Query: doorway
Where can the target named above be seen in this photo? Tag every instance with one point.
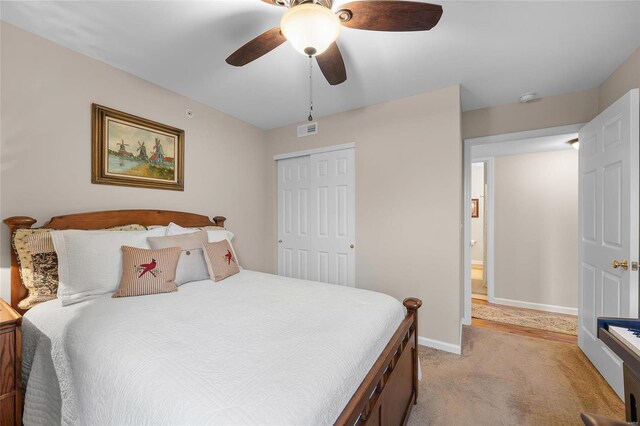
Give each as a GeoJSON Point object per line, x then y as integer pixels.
{"type": "Point", "coordinates": [478, 240]}
{"type": "Point", "coordinates": [488, 151]}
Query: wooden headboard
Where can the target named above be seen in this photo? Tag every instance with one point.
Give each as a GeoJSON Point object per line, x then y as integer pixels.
{"type": "Point", "coordinates": [98, 220]}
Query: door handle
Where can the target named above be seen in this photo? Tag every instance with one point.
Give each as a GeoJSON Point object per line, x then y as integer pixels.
{"type": "Point", "coordinates": [620, 264]}
{"type": "Point", "coordinates": [352, 246]}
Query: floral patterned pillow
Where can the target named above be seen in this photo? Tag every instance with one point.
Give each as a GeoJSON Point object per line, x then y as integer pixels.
{"type": "Point", "coordinates": [38, 263]}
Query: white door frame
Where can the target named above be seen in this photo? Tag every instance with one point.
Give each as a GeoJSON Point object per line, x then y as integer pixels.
{"type": "Point", "coordinates": [314, 151]}
{"type": "Point", "coordinates": [467, 161]}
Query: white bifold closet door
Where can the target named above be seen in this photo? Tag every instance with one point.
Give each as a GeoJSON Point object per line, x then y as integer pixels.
{"type": "Point", "coordinates": [316, 217]}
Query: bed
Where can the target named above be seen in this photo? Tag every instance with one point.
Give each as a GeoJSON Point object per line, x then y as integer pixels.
{"type": "Point", "coordinates": [253, 349]}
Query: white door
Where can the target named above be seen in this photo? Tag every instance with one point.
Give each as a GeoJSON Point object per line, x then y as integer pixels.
{"type": "Point", "coordinates": [609, 227]}
{"type": "Point", "coordinates": [293, 217]}
{"type": "Point", "coordinates": [332, 207]}
{"type": "Point", "coordinates": [316, 217]}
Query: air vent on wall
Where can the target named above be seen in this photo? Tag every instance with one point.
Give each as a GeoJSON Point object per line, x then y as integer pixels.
{"type": "Point", "coordinates": [307, 129]}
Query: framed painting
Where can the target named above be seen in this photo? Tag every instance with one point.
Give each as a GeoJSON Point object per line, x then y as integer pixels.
{"type": "Point", "coordinates": [133, 151]}
{"type": "Point", "coordinates": [475, 205]}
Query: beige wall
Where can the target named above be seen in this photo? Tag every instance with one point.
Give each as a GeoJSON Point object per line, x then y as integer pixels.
{"type": "Point", "coordinates": [552, 111]}
{"type": "Point", "coordinates": [47, 92]}
{"type": "Point", "coordinates": [408, 199]}
{"type": "Point", "coordinates": [623, 79]}
{"type": "Point", "coordinates": [570, 108]}
{"type": "Point", "coordinates": [536, 228]}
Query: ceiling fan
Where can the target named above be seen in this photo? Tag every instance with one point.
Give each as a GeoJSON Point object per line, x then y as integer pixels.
{"type": "Point", "coordinates": [313, 27]}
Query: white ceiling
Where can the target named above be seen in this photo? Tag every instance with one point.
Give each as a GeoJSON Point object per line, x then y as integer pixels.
{"type": "Point", "coordinates": [527, 142]}
{"type": "Point", "coordinates": [523, 146]}
{"type": "Point", "coordinates": [495, 50]}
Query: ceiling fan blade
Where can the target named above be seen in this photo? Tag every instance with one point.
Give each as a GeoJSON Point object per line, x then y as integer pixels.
{"type": "Point", "coordinates": [275, 2]}
{"type": "Point", "coordinates": [257, 47]}
{"type": "Point", "coordinates": [392, 15]}
{"type": "Point", "coordinates": [332, 65]}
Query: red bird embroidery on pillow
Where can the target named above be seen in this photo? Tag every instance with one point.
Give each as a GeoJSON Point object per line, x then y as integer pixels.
{"type": "Point", "coordinates": [148, 267]}
{"type": "Point", "coordinates": [229, 257]}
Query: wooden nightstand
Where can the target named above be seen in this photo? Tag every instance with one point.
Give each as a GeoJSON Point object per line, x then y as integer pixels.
{"type": "Point", "coordinates": [10, 366]}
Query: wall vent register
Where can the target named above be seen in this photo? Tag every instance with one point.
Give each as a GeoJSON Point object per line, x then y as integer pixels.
{"type": "Point", "coordinates": [307, 129]}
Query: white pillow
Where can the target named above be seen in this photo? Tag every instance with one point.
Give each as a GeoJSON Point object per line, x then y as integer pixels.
{"type": "Point", "coordinates": [90, 262]}
{"type": "Point", "coordinates": [192, 265]}
{"type": "Point", "coordinates": [173, 229]}
{"type": "Point", "coordinates": [214, 235]}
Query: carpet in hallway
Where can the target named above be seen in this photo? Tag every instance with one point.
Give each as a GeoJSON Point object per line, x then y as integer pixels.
{"type": "Point", "coordinates": [526, 318]}
{"type": "Point", "coordinates": [503, 379]}
{"type": "Point", "coordinates": [477, 282]}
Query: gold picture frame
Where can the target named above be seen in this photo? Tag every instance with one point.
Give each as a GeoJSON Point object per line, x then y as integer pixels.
{"type": "Point", "coordinates": [475, 207]}
{"type": "Point", "coordinates": [128, 150]}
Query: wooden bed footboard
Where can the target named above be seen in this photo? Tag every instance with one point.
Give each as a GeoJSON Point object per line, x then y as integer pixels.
{"type": "Point", "coordinates": [387, 394]}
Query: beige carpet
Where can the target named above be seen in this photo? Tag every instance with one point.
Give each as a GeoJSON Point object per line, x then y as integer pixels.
{"type": "Point", "coordinates": [504, 379]}
{"type": "Point", "coordinates": [526, 318]}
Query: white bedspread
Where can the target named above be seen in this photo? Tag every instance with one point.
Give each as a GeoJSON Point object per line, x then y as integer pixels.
{"type": "Point", "coordinates": [252, 349]}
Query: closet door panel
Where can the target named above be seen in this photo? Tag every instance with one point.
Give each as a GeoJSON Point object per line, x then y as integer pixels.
{"type": "Point", "coordinates": [333, 196]}
{"type": "Point", "coordinates": [293, 217]}
{"type": "Point", "coordinates": [316, 217]}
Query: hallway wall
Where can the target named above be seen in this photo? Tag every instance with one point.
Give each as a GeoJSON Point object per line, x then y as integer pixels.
{"type": "Point", "coordinates": [536, 228]}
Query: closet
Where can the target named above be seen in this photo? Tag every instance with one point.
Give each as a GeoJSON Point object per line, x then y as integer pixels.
{"type": "Point", "coordinates": [316, 217]}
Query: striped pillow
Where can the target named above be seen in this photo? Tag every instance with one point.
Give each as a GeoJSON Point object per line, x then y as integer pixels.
{"type": "Point", "coordinates": [148, 271]}
{"type": "Point", "coordinates": [221, 260]}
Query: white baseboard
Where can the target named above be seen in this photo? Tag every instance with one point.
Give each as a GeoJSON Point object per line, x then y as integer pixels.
{"type": "Point", "coordinates": [538, 306]}
{"type": "Point", "coordinates": [437, 344]}
{"type": "Point", "coordinates": [477, 262]}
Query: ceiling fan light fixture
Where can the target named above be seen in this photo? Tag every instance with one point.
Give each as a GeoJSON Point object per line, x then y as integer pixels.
{"type": "Point", "coordinates": [310, 28]}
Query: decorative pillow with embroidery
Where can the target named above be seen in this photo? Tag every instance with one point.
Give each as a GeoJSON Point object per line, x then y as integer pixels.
{"type": "Point", "coordinates": [221, 260]}
{"type": "Point", "coordinates": [148, 271]}
{"type": "Point", "coordinates": [38, 263]}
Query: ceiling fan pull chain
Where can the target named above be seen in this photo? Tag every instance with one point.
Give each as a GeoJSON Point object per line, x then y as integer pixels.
{"type": "Point", "coordinates": [310, 118]}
